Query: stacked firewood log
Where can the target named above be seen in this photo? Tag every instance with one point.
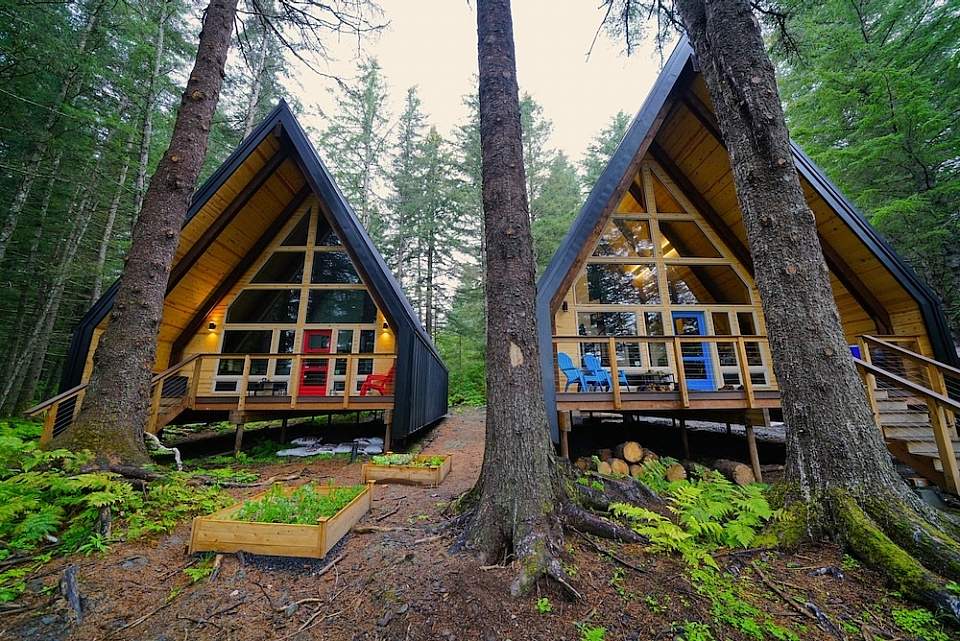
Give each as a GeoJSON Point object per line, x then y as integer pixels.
{"type": "Point", "coordinates": [628, 459]}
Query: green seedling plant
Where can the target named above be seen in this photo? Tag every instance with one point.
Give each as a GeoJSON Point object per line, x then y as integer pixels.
{"type": "Point", "coordinates": [304, 505]}
{"type": "Point", "coordinates": [591, 633]}
{"type": "Point", "coordinates": [409, 460]}
{"type": "Point", "coordinates": [544, 606]}
{"type": "Point", "coordinates": [920, 624]}
{"type": "Point", "coordinates": [695, 631]}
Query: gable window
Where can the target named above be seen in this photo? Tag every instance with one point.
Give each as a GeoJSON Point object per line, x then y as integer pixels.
{"type": "Point", "coordinates": [684, 238]}
{"type": "Point", "coordinates": [265, 306]}
{"type": "Point", "coordinates": [298, 236]}
{"type": "Point", "coordinates": [281, 267]}
{"type": "Point", "coordinates": [326, 237]}
{"type": "Point", "coordinates": [333, 267]}
{"type": "Point", "coordinates": [706, 284]}
{"type": "Point", "coordinates": [245, 341]}
{"type": "Point", "coordinates": [618, 284]}
{"type": "Point", "coordinates": [625, 238]}
{"type": "Point", "coordinates": [340, 306]}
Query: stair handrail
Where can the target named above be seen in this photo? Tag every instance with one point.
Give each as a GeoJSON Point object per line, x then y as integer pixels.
{"type": "Point", "coordinates": [920, 358]}
{"type": "Point", "coordinates": [75, 390]}
{"type": "Point", "coordinates": [904, 383]}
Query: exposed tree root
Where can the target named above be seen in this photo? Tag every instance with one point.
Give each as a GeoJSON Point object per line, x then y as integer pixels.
{"type": "Point", "coordinates": [580, 520]}
{"type": "Point", "coordinates": [890, 535]}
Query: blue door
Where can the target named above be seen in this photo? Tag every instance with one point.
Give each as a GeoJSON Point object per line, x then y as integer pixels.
{"type": "Point", "coordinates": [697, 363]}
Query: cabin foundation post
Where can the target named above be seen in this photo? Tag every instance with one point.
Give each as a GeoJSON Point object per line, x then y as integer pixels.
{"type": "Point", "coordinates": [752, 447]}
{"type": "Point", "coordinates": [684, 438]}
{"type": "Point", "coordinates": [564, 423]}
{"type": "Point", "coordinates": [388, 424]}
{"type": "Point", "coordinates": [729, 428]}
{"type": "Point", "coordinates": [239, 418]}
{"type": "Point", "coordinates": [283, 430]}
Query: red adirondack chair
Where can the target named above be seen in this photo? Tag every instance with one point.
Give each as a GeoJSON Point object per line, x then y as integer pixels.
{"type": "Point", "coordinates": [379, 382]}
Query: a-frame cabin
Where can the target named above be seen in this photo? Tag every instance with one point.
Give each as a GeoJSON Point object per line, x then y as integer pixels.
{"type": "Point", "coordinates": [278, 305]}
{"type": "Point", "coordinates": [656, 271]}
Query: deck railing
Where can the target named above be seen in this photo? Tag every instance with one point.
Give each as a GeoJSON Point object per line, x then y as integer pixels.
{"type": "Point", "coordinates": [285, 377]}
{"type": "Point", "coordinates": [681, 364]}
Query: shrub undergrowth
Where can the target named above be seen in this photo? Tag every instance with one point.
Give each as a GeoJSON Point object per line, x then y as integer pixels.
{"type": "Point", "coordinates": [304, 505]}
{"type": "Point", "coordinates": [410, 460]}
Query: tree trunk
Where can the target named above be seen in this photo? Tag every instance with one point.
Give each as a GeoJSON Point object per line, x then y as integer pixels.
{"type": "Point", "coordinates": [837, 464]}
{"type": "Point", "coordinates": [260, 64]}
{"type": "Point", "coordinates": [517, 506]}
{"type": "Point", "coordinates": [116, 407]}
{"type": "Point", "coordinates": [108, 227]}
{"type": "Point", "coordinates": [146, 131]}
{"type": "Point", "coordinates": [53, 116]}
{"type": "Point", "coordinates": [12, 354]}
{"type": "Point", "coordinates": [431, 248]}
{"type": "Point", "coordinates": [25, 375]}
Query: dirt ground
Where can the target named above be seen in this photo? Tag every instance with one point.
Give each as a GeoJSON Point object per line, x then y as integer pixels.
{"type": "Point", "coordinates": [405, 585]}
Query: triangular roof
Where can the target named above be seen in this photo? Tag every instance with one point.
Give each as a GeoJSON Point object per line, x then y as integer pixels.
{"type": "Point", "coordinates": [281, 130]}
{"type": "Point", "coordinates": [677, 75]}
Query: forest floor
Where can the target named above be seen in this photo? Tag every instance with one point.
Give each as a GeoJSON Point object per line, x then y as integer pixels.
{"type": "Point", "coordinates": [403, 584]}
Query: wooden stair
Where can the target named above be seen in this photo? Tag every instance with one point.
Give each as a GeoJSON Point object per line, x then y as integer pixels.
{"type": "Point", "coordinates": [911, 399]}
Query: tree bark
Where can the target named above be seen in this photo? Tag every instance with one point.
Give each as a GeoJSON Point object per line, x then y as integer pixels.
{"type": "Point", "coordinates": [53, 116]}
{"type": "Point", "coordinates": [518, 489]}
{"type": "Point", "coordinates": [837, 464]}
{"type": "Point", "coordinates": [116, 406]}
{"type": "Point", "coordinates": [146, 131]}
{"type": "Point", "coordinates": [253, 98]}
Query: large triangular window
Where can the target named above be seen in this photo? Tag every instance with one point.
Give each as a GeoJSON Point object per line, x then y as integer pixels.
{"type": "Point", "coordinates": [625, 238]}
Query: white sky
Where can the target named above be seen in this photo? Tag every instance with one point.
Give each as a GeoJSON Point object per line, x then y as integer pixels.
{"type": "Point", "coordinates": [433, 44]}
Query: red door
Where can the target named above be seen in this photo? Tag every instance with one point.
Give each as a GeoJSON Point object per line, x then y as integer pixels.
{"type": "Point", "coordinates": [313, 374]}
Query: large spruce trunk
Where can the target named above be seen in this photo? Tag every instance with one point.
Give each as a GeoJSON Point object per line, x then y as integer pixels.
{"type": "Point", "coordinates": [517, 502]}
{"type": "Point", "coordinates": [116, 406]}
{"type": "Point", "coordinates": [840, 480]}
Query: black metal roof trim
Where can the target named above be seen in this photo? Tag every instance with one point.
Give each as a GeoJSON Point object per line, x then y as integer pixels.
{"type": "Point", "coordinates": [355, 237]}
{"type": "Point", "coordinates": [622, 159]}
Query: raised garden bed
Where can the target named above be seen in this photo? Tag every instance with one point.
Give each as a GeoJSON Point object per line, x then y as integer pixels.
{"type": "Point", "coordinates": [421, 469]}
{"type": "Point", "coordinates": [246, 527]}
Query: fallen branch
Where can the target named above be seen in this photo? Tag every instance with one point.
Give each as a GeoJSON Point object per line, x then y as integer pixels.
{"type": "Point", "coordinates": [329, 566]}
{"type": "Point", "coordinates": [388, 514]}
{"type": "Point", "coordinates": [822, 621]}
{"type": "Point", "coordinates": [376, 529]}
{"type": "Point", "coordinates": [602, 550]}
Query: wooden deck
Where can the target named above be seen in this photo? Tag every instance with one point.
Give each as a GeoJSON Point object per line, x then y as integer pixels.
{"type": "Point", "coordinates": [638, 401]}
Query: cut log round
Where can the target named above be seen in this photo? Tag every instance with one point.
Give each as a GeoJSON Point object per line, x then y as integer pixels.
{"type": "Point", "coordinates": [649, 456]}
{"type": "Point", "coordinates": [583, 464]}
{"type": "Point", "coordinates": [619, 466]}
{"type": "Point", "coordinates": [631, 452]}
{"type": "Point", "coordinates": [636, 470]}
{"type": "Point", "coordinates": [676, 472]}
{"type": "Point", "coordinates": [605, 454]}
{"type": "Point", "coordinates": [603, 468]}
{"type": "Point", "coordinates": [734, 470]}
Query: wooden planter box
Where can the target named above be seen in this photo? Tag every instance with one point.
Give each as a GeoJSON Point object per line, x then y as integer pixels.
{"type": "Point", "coordinates": [217, 532]}
{"type": "Point", "coordinates": [412, 475]}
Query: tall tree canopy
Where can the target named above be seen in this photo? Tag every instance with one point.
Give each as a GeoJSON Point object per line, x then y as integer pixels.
{"type": "Point", "coordinates": [872, 92]}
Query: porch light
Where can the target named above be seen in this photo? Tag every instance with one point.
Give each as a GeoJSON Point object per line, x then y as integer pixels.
{"type": "Point", "coordinates": [212, 326]}
{"type": "Point", "coordinates": [385, 326]}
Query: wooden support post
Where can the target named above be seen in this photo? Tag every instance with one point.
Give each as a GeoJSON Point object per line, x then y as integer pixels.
{"type": "Point", "coordinates": [752, 447]}
{"type": "Point", "coordinates": [347, 385]}
{"type": "Point", "coordinates": [155, 407]}
{"type": "Point", "coordinates": [684, 438]}
{"type": "Point", "coordinates": [294, 384]}
{"type": "Point", "coordinates": [614, 372]}
{"type": "Point", "coordinates": [388, 425]}
{"type": "Point", "coordinates": [564, 422]}
{"type": "Point", "coordinates": [946, 453]}
{"type": "Point", "coordinates": [48, 419]}
{"type": "Point", "coordinates": [244, 382]}
{"type": "Point", "coordinates": [869, 381]}
{"type": "Point", "coordinates": [681, 375]}
{"type": "Point", "coordinates": [745, 371]}
{"type": "Point", "coordinates": [238, 439]}
{"type": "Point", "coordinates": [729, 428]}
{"type": "Point", "coordinates": [283, 430]}
{"type": "Point", "coordinates": [195, 381]}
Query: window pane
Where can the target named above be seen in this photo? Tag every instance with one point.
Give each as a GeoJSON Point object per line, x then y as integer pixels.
{"type": "Point", "coordinates": [287, 341]}
{"type": "Point", "coordinates": [246, 341]}
{"type": "Point", "coordinates": [225, 386]}
{"type": "Point", "coordinates": [684, 238]}
{"type": "Point", "coordinates": [706, 284]}
{"type": "Point", "coordinates": [325, 235]}
{"type": "Point", "coordinates": [654, 323]}
{"type": "Point", "coordinates": [265, 306]}
{"type": "Point", "coordinates": [234, 367]}
{"type": "Point", "coordinates": [658, 355]}
{"type": "Point", "coordinates": [627, 353]}
{"type": "Point", "coordinates": [607, 323]}
{"type": "Point", "coordinates": [721, 324]}
{"type": "Point", "coordinates": [747, 326]}
{"type": "Point", "coordinates": [365, 366]}
{"type": "Point", "coordinates": [344, 341]}
{"type": "Point", "coordinates": [333, 267]}
{"type": "Point", "coordinates": [614, 284]}
{"type": "Point", "coordinates": [298, 236]}
{"type": "Point", "coordinates": [340, 306]}
{"type": "Point", "coordinates": [367, 342]}
{"type": "Point", "coordinates": [625, 238]}
{"type": "Point", "coordinates": [727, 353]}
{"type": "Point", "coordinates": [281, 267]}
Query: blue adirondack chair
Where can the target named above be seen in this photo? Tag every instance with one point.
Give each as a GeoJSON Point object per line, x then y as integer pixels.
{"type": "Point", "coordinates": [592, 367]}
{"type": "Point", "coordinates": [583, 380]}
